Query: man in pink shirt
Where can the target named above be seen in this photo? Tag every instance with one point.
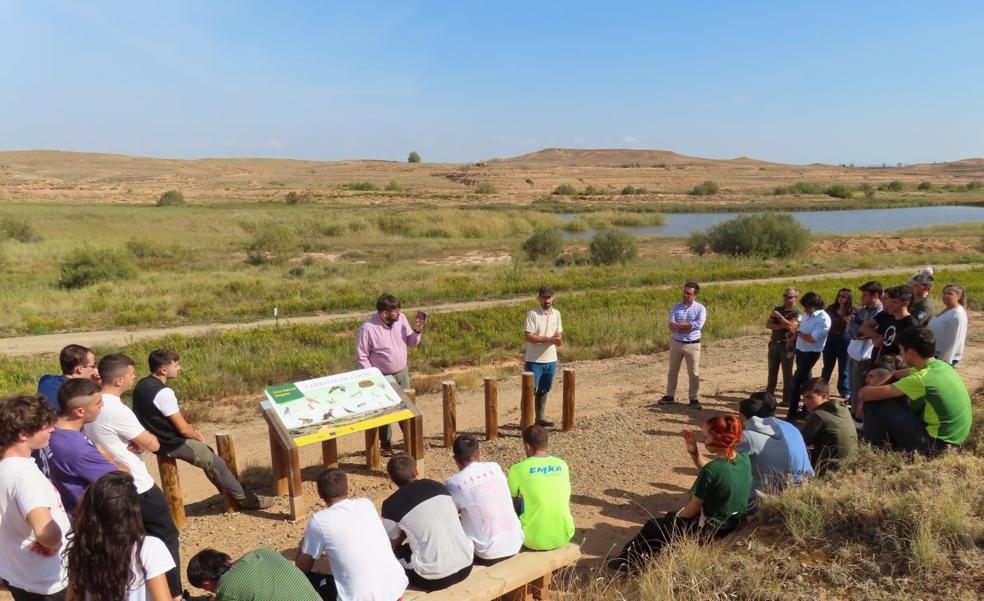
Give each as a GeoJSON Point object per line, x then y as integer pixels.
{"type": "Point", "coordinates": [382, 343]}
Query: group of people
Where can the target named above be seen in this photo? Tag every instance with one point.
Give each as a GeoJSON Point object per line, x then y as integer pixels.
{"type": "Point", "coordinates": [82, 518]}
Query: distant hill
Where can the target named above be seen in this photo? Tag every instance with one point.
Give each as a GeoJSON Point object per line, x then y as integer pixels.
{"type": "Point", "coordinates": [621, 157]}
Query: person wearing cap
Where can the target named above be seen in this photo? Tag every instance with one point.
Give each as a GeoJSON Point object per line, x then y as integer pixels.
{"type": "Point", "coordinates": [860, 347]}
{"type": "Point", "coordinates": [922, 305]}
{"type": "Point", "coordinates": [543, 333]}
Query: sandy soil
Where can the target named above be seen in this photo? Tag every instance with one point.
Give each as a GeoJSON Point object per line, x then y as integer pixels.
{"type": "Point", "coordinates": [626, 456]}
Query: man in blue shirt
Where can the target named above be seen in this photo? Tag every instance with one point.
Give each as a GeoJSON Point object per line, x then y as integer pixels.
{"type": "Point", "coordinates": [685, 323]}
{"type": "Point", "coordinates": [76, 362]}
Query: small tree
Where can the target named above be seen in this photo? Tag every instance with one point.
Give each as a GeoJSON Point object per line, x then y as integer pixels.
{"type": "Point", "coordinates": [272, 244]}
{"type": "Point", "coordinates": [88, 265]}
{"type": "Point", "coordinates": [543, 245]}
{"type": "Point", "coordinates": [868, 190]}
{"type": "Point", "coordinates": [705, 189]}
{"type": "Point", "coordinates": [171, 198]}
{"type": "Point", "coordinates": [612, 246]}
{"type": "Point", "coordinates": [414, 157]}
{"type": "Point", "coordinates": [925, 186]}
{"type": "Point", "coordinates": [761, 235]}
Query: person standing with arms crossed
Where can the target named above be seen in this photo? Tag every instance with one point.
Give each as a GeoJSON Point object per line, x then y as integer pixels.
{"type": "Point", "coordinates": [543, 333]}
{"type": "Point", "coordinates": [382, 343]}
{"type": "Point", "coordinates": [686, 320]}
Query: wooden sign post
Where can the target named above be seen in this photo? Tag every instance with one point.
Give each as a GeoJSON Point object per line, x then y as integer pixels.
{"type": "Point", "coordinates": [569, 381]}
{"type": "Point", "coordinates": [450, 418]}
{"type": "Point", "coordinates": [526, 412]}
{"type": "Point", "coordinates": [491, 409]}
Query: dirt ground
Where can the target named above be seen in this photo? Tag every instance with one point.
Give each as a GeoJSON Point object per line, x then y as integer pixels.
{"type": "Point", "coordinates": [626, 454]}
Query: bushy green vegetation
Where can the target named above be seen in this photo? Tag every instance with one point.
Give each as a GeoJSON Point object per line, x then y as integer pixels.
{"type": "Point", "coordinates": [544, 244]}
{"type": "Point", "coordinates": [706, 188]}
{"type": "Point", "coordinates": [760, 235]}
{"type": "Point", "coordinates": [274, 243]}
{"type": "Point", "coordinates": [87, 266]}
{"type": "Point", "coordinates": [413, 157]}
{"type": "Point", "coordinates": [892, 186]}
{"type": "Point", "coordinates": [631, 190]}
{"type": "Point", "coordinates": [485, 188]}
{"type": "Point", "coordinates": [565, 190]}
{"type": "Point", "coordinates": [171, 198]}
{"type": "Point", "coordinates": [839, 191]}
{"type": "Point", "coordinates": [18, 229]}
{"type": "Point", "coordinates": [394, 186]}
{"type": "Point", "coordinates": [799, 188]}
{"type": "Point", "coordinates": [361, 186]}
{"type": "Point", "coordinates": [612, 246]}
{"type": "Point", "coordinates": [296, 198]}
{"type": "Point", "coordinates": [925, 186]}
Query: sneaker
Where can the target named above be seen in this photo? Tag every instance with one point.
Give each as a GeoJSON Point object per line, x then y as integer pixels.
{"type": "Point", "coordinates": [695, 404]}
{"type": "Point", "coordinates": [666, 400]}
{"type": "Point", "coordinates": [255, 501]}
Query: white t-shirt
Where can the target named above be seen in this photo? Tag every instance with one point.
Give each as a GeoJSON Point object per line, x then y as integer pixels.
{"type": "Point", "coordinates": [23, 488]}
{"type": "Point", "coordinates": [546, 324]}
{"type": "Point", "coordinates": [113, 429]}
{"type": "Point", "coordinates": [351, 533]}
{"type": "Point", "coordinates": [166, 402]}
{"type": "Point", "coordinates": [950, 332]}
{"type": "Point", "coordinates": [155, 559]}
{"type": "Point", "coordinates": [481, 493]}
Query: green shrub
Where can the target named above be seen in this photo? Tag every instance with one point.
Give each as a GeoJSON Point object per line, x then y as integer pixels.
{"type": "Point", "coordinates": [88, 266]}
{"type": "Point", "coordinates": [394, 186]}
{"type": "Point", "coordinates": [800, 188]}
{"type": "Point", "coordinates": [925, 186]}
{"type": "Point", "coordinates": [413, 157]}
{"type": "Point", "coordinates": [485, 188]}
{"type": "Point", "coordinates": [759, 234]}
{"type": "Point", "coordinates": [565, 190]}
{"type": "Point", "coordinates": [171, 198]}
{"type": "Point", "coordinates": [975, 185]}
{"type": "Point", "coordinates": [19, 230]}
{"type": "Point", "coordinates": [612, 246]}
{"type": "Point", "coordinates": [839, 191]}
{"type": "Point", "coordinates": [705, 189]}
{"type": "Point", "coordinates": [272, 243]}
{"type": "Point", "coordinates": [362, 186]}
{"type": "Point", "coordinates": [591, 190]}
{"type": "Point", "coordinates": [296, 198]}
{"type": "Point", "coordinates": [543, 244]}
{"type": "Point", "coordinates": [630, 190]}
{"type": "Point", "coordinates": [892, 186]}
{"type": "Point", "coordinates": [868, 190]}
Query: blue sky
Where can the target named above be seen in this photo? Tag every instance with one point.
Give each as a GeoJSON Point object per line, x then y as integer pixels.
{"type": "Point", "coordinates": [835, 82]}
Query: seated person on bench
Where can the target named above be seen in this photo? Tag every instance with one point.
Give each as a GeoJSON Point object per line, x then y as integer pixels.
{"type": "Point", "coordinates": [541, 489]}
{"type": "Point", "coordinates": [437, 553]}
{"type": "Point", "coordinates": [481, 494]}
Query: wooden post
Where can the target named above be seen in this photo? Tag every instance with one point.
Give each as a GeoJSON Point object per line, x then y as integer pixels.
{"type": "Point", "coordinates": [329, 453]}
{"type": "Point", "coordinates": [449, 412]}
{"type": "Point", "coordinates": [372, 448]}
{"type": "Point", "coordinates": [526, 413]}
{"type": "Point", "coordinates": [278, 464]}
{"type": "Point", "coordinates": [491, 409]}
{"type": "Point", "coordinates": [416, 447]}
{"type": "Point", "coordinates": [296, 493]}
{"type": "Point", "coordinates": [569, 381]}
{"type": "Point", "coordinates": [227, 451]}
{"type": "Point", "coordinates": [168, 468]}
{"type": "Point", "coordinates": [405, 429]}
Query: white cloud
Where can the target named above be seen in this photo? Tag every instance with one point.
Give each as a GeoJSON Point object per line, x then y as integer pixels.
{"type": "Point", "coordinates": [277, 143]}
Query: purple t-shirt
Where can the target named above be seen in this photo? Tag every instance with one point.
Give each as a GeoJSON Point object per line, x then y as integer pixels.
{"type": "Point", "coordinates": [74, 463]}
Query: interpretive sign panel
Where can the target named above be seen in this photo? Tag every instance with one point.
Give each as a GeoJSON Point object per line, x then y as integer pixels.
{"type": "Point", "coordinates": [332, 406]}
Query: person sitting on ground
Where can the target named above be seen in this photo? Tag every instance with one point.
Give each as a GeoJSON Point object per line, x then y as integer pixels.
{"type": "Point", "coordinates": [117, 430]}
{"type": "Point", "coordinates": [156, 406]}
{"type": "Point", "coordinates": [775, 447]}
{"type": "Point", "coordinates": [481, 494]}
{"type": "Point", "coordinates": [109, 555]}
{"type": "Point", "coordinates": [830, 429]}
{"type": "Point", "coordinates": [942, 416]}
{"type": "Point", "coordinates": [437, 553]}
{"type": "Point", "coordinates": [33, 522]}
{"type": "Point", "coordinates": [76, 362]}
{"type": "Point", "coordinates": [73, 461]}
{"type": "Point", "coordinates": [873, 430]}
{"type": "Point", "coordinates": [883, 329]}
{"type": "Point", "coordinates": [718, 501]}
{"type": "Point", "coordinates": [350, 533]}
{"type": "Point", "coordinates": [810, 340]}
{"type": "Point", "coordinates": [260, 575]}
{"type": "Point", "coordinates": [541, 489]}
{"type": "Point", "coordinates": [950, 326]}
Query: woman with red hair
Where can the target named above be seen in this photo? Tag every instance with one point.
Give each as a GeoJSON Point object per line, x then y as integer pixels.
{"type": "Point", "coordinates": [719, 496]}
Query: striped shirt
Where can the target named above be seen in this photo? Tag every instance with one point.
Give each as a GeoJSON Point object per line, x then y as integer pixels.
{"type": "Point", "coordinates": [695, 315]}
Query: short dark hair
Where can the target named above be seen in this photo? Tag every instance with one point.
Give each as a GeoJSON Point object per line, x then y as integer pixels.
{"type": "Point", "coordinates": [113, 366]}
{"type": "Point", "coordinates": [871, 287]}
{"type": "Point", "coordinates": [27, 413]}
{"type": "Point", "coordinates": [402, 469]}
{"type": "Point", "coordinates": [72, 356]}
{"type": "Point", "coordinates": [74, 388]}
{"type": "Point", "coordinates": [208, 564]}
{"type": "Point", "coordinates": [545, 292]}
{"type": "Point", "coordinates": [812, 300]}
{"type": "Point", "coordinates": [332, 484]}
{"type": "Point", "coordinates": [536, 436]}
{"type": "Point", "coordinates": [903, 293]}
{"type": "Point", "coordinates": [919, 340]}
{"type": "Point", "coordinates": [465, 447]}
{"type": "Point", "coordinates": [162, 357]}
{"type": "Point", "coordinates": [387, 302]}
{"type": "Point", "coordinates": [817, 386]}
{"type": "Point", "coordinates": [758, 404]}
{"type": "Point", "coordinates": [694, 285]}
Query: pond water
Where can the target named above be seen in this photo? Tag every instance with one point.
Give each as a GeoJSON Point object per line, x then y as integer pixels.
{"type": "Point", "coordinates": [823, 222]}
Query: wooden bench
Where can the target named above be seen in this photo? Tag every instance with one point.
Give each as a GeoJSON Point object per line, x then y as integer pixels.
{"type": "Point", "coordinates": [520, 578]}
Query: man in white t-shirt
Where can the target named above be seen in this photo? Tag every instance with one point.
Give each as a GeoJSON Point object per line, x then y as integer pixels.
{"type": "Point", "coordinates": [351, 534]}
{"type": "Point", "coordinates": [33, 521]}
{"type": "Point", "coordinates": [543, 333]}
{"type": "Point", "coordinates": [481, 493]}
{"type": "Point", "coordinates": [117, 430]}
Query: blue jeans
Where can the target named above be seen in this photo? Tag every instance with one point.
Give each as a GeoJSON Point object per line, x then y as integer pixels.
{"type": "Point", "coordinates": [804, 371]}
{"type": "Point", "coordinates": [543, 375]}
{"type": "Point", "coordinates": [835, 352]}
